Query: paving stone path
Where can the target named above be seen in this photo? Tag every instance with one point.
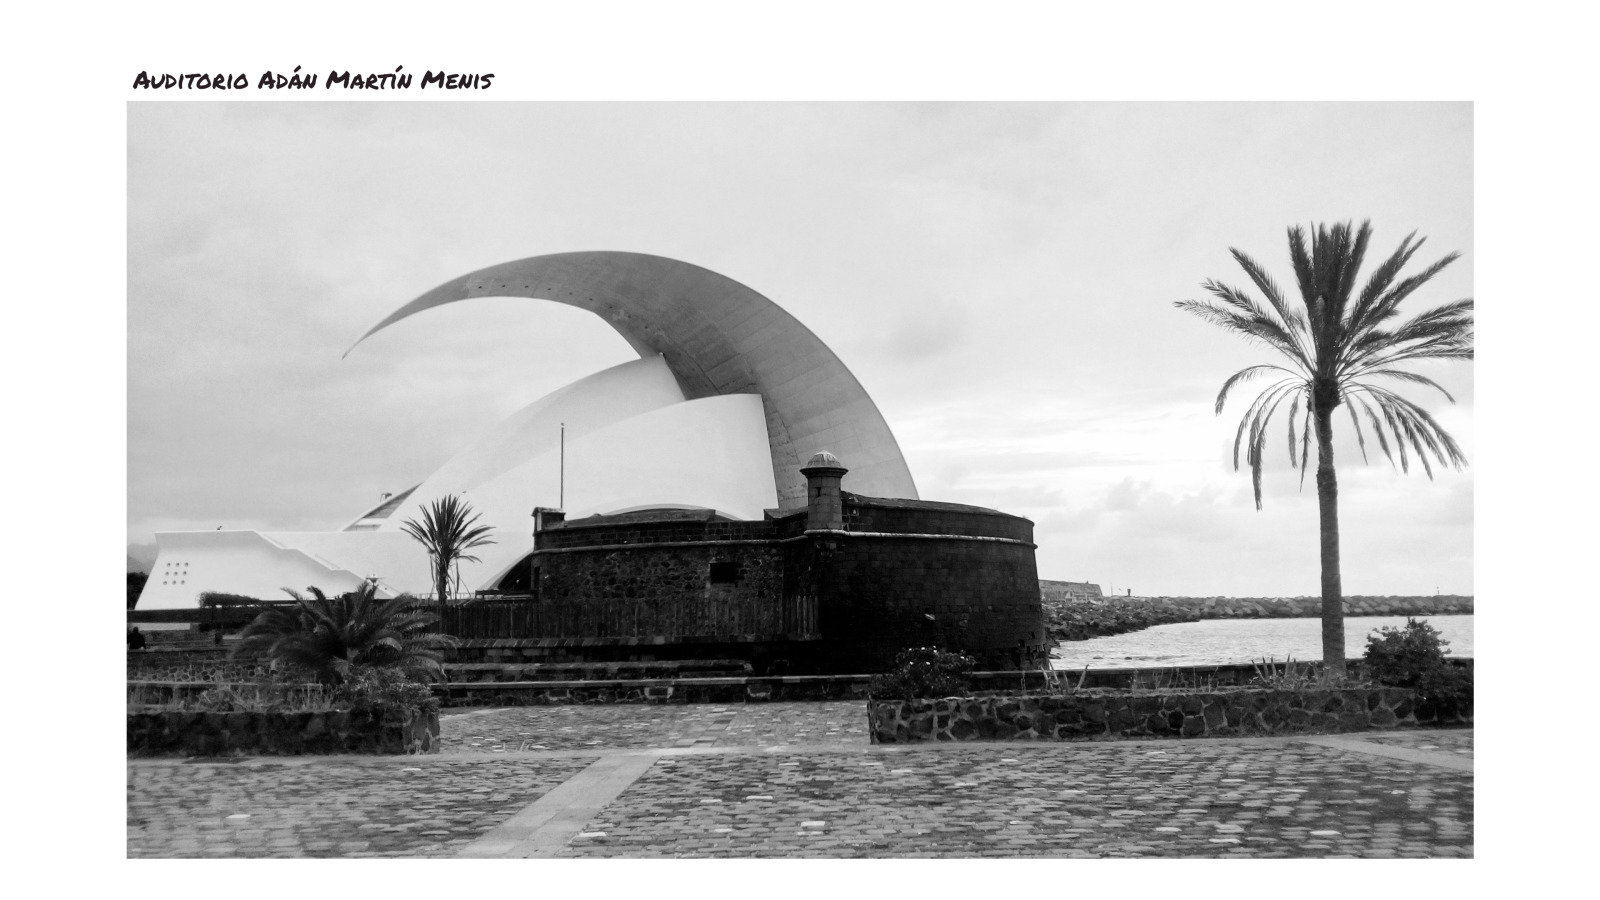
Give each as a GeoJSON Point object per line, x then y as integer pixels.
{"type": "Point", "coordinates": [1457, 742]}
{"type": "Point", "coordinates": [329, 806]}
{"type": "Point", "coordinates": [633, 726]}
{"type": "Point", "coordinates": [1191, 799]}
{"type": "Point", "coordinates": [801, 780]}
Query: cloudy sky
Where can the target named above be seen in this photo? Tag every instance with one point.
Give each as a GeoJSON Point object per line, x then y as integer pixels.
{"type": "Point", "coordinates": [999, 277]}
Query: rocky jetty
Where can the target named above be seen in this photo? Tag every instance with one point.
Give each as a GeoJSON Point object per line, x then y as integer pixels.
{"type": "Point", "coordinates": [1078, 620]}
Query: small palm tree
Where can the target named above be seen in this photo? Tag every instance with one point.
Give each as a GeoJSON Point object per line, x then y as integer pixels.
{"type": "Point", "coordinates": [329, 637]}
{"type": "Point", "coordinates": [447, 531]}
{"type": "Point", "coordinates": [1336, 344]}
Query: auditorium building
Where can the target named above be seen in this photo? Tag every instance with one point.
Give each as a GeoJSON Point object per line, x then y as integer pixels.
{"type": "Point", "coordinates": [692, 497]}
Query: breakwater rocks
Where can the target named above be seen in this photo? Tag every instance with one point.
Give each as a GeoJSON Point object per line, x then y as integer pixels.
{"type": "Point", "coordinates": [1078, 620]}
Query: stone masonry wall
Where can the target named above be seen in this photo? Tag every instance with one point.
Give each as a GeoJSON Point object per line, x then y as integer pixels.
{"type": "Point", "coordinates": [881, 595]}
{"type": "Point", "coordinates": [277, 734]}
{"type": "Point", "coordinates": [896, 574]}
{"type": "Point", "coordinates": [1104, 716]}
{"type": "Point", "coordinates": [670, 590]}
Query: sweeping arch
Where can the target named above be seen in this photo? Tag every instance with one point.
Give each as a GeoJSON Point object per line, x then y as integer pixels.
{"type": "Point", "coordinates": [718, 337]}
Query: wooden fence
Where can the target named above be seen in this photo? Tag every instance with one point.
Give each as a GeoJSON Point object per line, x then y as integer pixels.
{"type": "Point", "coordinates": [225, 616]}
{"type": "Point", "coordinates": [703, 617]}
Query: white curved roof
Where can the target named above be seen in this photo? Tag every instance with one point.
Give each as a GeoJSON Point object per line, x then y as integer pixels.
{"type": "Point", "coordinates": [717, 337]}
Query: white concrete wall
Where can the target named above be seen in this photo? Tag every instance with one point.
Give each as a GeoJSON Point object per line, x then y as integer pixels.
{"type": "Point", "coordinates": [236, 562]}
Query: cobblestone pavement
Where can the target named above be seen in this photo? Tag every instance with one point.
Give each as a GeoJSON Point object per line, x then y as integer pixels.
{"type": "Point", "coordinates": [1201, 799]}
{"type": "Point", "coordinates": [1457, 742]}
{"type": "Point", "coordinates": [411, 807]}
{"type": "Point", "coordinates": [801, 780]}
{"type": "Point", "coordinates": [632, 726]}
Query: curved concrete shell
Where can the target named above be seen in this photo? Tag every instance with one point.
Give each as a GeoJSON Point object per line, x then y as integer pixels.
{"type": "Point", "coordinates": [718, 337]}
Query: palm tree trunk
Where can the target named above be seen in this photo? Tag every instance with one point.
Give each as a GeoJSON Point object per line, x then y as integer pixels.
{"type": "Point", "coordinates": [441, 573]}
{"type": "Point", "coordinates": [1328, 507]}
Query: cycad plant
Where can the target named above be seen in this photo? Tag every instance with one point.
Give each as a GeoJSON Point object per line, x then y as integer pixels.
{"type": "Point", "coordinates": [331, 637]}
{"type": "Point", "coordinates": [1340, 345]}
{"type": "Point", "coordinates": [447, 531]}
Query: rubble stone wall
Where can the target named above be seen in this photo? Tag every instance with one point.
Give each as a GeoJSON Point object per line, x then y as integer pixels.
{"type": "Point", "coordinates": [278, 734]}
{"type": "Point", "coordinates": [1110, 716]}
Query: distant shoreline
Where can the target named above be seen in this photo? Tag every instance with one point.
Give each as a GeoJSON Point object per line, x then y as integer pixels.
{"type": "Point", "coordinates": [1074, 619]}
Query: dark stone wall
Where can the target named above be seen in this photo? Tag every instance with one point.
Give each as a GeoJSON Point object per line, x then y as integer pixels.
{"type": "Point", "coordinates": [898, 574]}
{"type": "Point", "coordinates": [930, 517]}
{"type": "Point", "coordinates": [651, 526]}
{"type": "Point", "coordinates": [278, 734]}
{"type": "Point", "coordinates": [670, 591]}
{"type": "Point", "coordinates": [1101, 716]}
{"type": "Point", "coordinates": [879, 595]}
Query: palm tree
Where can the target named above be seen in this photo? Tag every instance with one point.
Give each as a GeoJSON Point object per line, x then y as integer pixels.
{"type": "Point", "coordinates": [446, 530]}
{"type": "Point", "coordinates": [1336, 346]}
{"type": "Point", "coordinates": [329, 637]}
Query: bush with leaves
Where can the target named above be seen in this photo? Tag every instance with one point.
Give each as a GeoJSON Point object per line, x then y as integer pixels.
{"type": "Point", "coordinates": [211, 599]}
{"type": "Point", "coordinates": [1402, 657]}
{"type": "Point", "coordinates": [330, 638]}
{"type": "Point", "coordinates": [386, 692]}
{"type": "Point", "coordinates": [924, 672]}
{"type": "Point", "coordinates": [1413, 656]}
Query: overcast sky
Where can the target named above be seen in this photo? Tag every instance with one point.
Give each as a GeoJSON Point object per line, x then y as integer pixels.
{"type": "Point", "coordinates": [999, 277]}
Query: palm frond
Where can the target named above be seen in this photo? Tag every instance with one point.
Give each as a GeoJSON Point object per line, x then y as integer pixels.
{"type": "Point", "coordinates": [1377, 428]}
{"type": "Point", "coordinates": [1385, 307]}
{"type": "Point", "coordinates": [326, 636]}
{"type": "Point", "coordinates": [1293, 320]}
{"type": "Point", "coordinates": [1379, 282]}
{"type": "Point", "coordinates": [1294, 410]}
{"type": "Point", "coordinates": [1251, 414]}
{"type": "Point", "coordinates": [1241, 376]}
{"type": "Point", "coordinates": [1259, 419]}
{"type": "Point", "coordinates": [1355, 422]}
{"type": "Point", "coordinates": [1305, 447]}
{"type": "Point", "coordinates": [1256, 327]}
{"type": "Point", "coordinates": [1425, 431]}
{"type": "Point", "coordinates": [1414, 378]}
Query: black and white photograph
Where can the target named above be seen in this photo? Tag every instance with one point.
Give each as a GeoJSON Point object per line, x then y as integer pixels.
{"type": "Point", "coordinates": [694, 466]}
{"type": "Point", "coordinates": [840, 448]}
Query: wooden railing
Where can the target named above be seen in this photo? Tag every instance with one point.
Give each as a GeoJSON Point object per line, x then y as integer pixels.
{"type": "Point", "coordinates": [228, 616]}
{"type": "Point", "coordinates": [703, 617]}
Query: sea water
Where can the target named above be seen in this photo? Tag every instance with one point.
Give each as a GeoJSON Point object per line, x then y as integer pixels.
{"type": "Point", "coordinates": [1221, 641]}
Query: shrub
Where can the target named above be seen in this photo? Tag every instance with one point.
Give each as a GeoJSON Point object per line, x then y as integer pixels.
{"type": "Point", "coordinates": [922, 672]}
{"type": "Point", "coordinates": [387, 691]}
{"type": "Point", "coordinates": [1405, 656]}
{"type": "Point", "coordinates": [212, 599]}
{"type": "Point", "coordinates": [1414, 657]}
{"type": "Point", "coordinates": [1295, 676]}
{"type": "Point", "coordinates": [1446, 692]}
{"type": "Point", "coordinates": [331, 637]}
{"type": "Point", "coordinates": [136, 582]}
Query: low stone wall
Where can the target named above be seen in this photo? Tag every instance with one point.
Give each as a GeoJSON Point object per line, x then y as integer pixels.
{"type": "Point", "coordinates": [1096, 715]}
{"type": "Point", "coordinates": [278, 734]}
